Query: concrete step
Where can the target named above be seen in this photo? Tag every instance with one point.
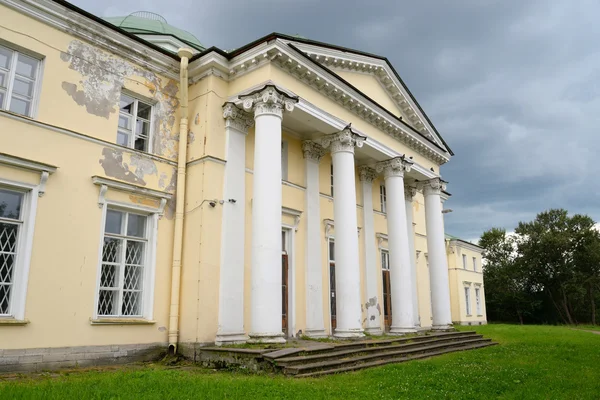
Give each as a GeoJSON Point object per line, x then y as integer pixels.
{"type": "Point", "coordinates": [344, 353]}
{"type": "Point", "coordinates": [380, 356]}
{"type": "Point", "coordinates": [393, 360]}
{"type": "Point", "coordinates": [385, 342]}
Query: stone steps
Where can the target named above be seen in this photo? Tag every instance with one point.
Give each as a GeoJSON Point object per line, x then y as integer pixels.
{"type": "Point", "coordinates": [334, 358]}
{"type": "Point", "coordinates": [392, 360]}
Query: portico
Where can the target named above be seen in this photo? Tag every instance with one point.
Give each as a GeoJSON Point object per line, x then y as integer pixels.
{"type": "Point", "coordinates": [357, 285]}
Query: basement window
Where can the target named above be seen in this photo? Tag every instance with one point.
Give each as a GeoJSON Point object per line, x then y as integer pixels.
{"type": "Point", "coordinates": [19, 76]}
{"type": "Point", "coordinates": [135, 120]}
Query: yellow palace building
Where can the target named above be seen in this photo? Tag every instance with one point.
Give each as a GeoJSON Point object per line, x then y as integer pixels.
{"type": "Point", "coordinates": [159, 195]}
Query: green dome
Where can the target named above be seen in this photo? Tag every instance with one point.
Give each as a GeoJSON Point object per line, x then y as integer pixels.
{"type": "Point", "coordinates": [147, 23]}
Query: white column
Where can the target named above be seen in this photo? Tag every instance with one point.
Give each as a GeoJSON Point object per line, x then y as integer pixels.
{"type": "Point", "coordinates": [268, 105]}
{"type": "Point", "coordinates": [231, 283]}
{"type": "Point", "coordinates": [373, 307]}
{"type": "Point", "coordinates": [315, 326]}
{"type": "Point", "coordinates": [399, 251]}
{"type": "Point", "coordinates": [347, 270]}
{"type": "Point", "coordinates": [436, 249]}
{"type": "Point", "coordinates": [409, 193]}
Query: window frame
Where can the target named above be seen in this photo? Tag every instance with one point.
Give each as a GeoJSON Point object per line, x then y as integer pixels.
{"type": "Point", "coordinates": [284, 160]}
{"type": "Point", "coordinates": [468, 300]}
{"type": "Point", "coordinates": [147, 303]}
{"type": "Point", "coordinates": [384, 255]}
{"type": "Point", "coordinates": [475, 264]}
{"type": "Point", "coordinates": [37, 79]}
{"type": "Point", "coordinates": [383, 198]}
{"type": "Point", "coordinates": [24, 247]}
{"type": "Point", "coordinates": [464, 260]}
{"type": "Point", "coordinates": [331, 178]}
{"type": "Point", "coordinates": [478, 308]}
{"type": "Point", "coordinates": [137, 99]}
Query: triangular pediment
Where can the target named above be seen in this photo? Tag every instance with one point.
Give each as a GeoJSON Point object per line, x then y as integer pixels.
{"type": "Point", "coordinates": [374, 77]}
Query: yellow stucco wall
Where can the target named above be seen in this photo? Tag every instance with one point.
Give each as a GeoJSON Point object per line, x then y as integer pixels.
{"type": "Point", "coordinates": [84, 83]}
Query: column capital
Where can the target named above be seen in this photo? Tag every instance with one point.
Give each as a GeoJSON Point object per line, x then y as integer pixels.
{"type": "Point", "coordinates": [268, 100]}
{"type": "Point", "coordinates": [312, 151]}
{"type": "Point", "coordinates": [433, 186]}
{"type": "Point", "coordinates": [396, 166]}
{"type": "Point", "coordinates": [366, 174]}
{"type": "Point", "coordinates": [343, 141]}
{"type": "Point", "coordinates": [410, 192]}
{"type": "Point", "coordinates": [236, 118]}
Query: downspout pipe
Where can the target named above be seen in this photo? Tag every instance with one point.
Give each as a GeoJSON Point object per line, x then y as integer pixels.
{"type": "Point", "coordinates": [185, 55]}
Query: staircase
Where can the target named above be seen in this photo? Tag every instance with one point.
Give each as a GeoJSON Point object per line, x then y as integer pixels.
{"type": "Point", "coordinates": [327, 358]}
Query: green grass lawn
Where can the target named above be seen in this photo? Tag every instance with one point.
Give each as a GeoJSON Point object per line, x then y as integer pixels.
{"type": "Point", "coordinates": [532, 362]}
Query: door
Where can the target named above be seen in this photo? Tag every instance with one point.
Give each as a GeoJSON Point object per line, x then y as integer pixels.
{"type": "Point", "coordinates": [332, 294]}
{"type": "Point", "coordinates": [387, 292]}
{"type": "Point", "coordinates": [284, 294]}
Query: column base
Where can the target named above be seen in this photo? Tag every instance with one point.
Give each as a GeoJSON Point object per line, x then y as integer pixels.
{"type": "Point", "coordinates": [267, 337]}
{"type": "Point", "coordinates": [394, 330]}
{"type": "Point", "coordinates": [443, 328]}
{"type": "Point", "coordinates": [316, 333]}
{"type": "Point", "coordinates": [230, 338]}
{"type": "Point", "coordinates": [348, 333]}
{"type": "Point", "coordinates": [374, 331]}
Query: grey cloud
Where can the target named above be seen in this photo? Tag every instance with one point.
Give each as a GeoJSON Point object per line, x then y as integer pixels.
{"type": "Point", "coordinates": [513, 86]}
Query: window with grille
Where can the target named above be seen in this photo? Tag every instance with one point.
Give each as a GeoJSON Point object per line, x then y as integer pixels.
{"type": "Point", "coordinates": [124, 264]}
{"type": "Point", "coordinates": [382, 197]}
{"type": "Point", "coordinates": [11, 225]}
{"type": "Point", "coordinates": [478, 300]}
{"type": "Point", "coordinates": [135, 117]}
{"type": "Point", "coordinates": [18, 81]}
{"type": "Point", "coordinates": [468, 300]}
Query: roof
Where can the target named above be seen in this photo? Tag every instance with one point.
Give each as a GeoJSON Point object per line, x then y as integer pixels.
{"type": "Point", "coordinates": [140, 23]}
{"type": "Point", "coordinates": [451, 237]}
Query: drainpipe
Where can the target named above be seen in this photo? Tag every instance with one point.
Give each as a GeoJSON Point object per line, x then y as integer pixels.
{"type": "Point", "coordinates": [185, 55]}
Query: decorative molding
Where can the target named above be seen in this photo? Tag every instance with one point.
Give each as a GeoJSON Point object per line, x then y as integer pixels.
{"type": "Point", "coordinates": [395, 167]}
{"type": "Point", "coordinates": [312, 150]}
{"type": "Point", "coordinates": [381, 237]}
{"type": "Point", "coordinates": [366, 174]}
{"type": "Point", "coordinates": [13, 321]}
{"type": "Point", "coordinates": [466, 245]}
{"type": "Point", "coordinates": [433, 186]}
{"type": "Point", "coordinates": [61, 18]}
{"type": "Point", "coordinates": [418, 254]}
{"type": "Point", "coordinates": [344, 141]}
{"type": "Point", "coordinates": [105, 184]}
{"type": "Point", "coordinates": [296, 214]}
{"type": "Point", "coordinates": [204, 159]}
{"type": "Point", "coordinates": [410, 191]}
{"type": "Point", "coordinates": [44, 169]}
{"type": "Point", "coordinates": [268, 100]}
{"type": "Point", "coordinates": [121, 321]}
{"type": "Point", "coordinates": [330, 224]}
{"type": "Point", "coordinates": [237, 119]}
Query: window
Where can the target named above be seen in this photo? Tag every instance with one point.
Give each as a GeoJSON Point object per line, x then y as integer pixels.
{"type": "Point", "coordinates": [464, 261]}
{"type": "Point", "coordinates": [124, 264]}
{"type": "Point", "coordinates": [11, 227]}
{"type": "Point", "coordinates": [474, 263]}
{"type": "Point", "coordinates": [331, 180]}
{"type": "Point", "coordinates": [284, 160]}
{"type": "Point", "coordinates": [134, 123]}
{"type": "Point", "coordinates": [478, 300]}
{"type": "Point", "coordinates": [468, 300]}
{"type": "Point", "coordinates": [382, 197]}
{"type": "Point", "coordinates": [18, 77]}
{"type": "Point", "coordinates": [385, 260]}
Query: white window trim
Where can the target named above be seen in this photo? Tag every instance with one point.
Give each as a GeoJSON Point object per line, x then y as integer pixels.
{"type": "Point", "coordinates": [35, 98]}
{"type": "Point", "coordinates": [478, 300]}
{"type": "Point", "coordinates": [464, 261]}
{"type": "Point", "coordinates": [475, 264]}
{"type": "Point", "coordinates": [24, 248]}
{"type": "Point", "coordinates": [383, 198]}
{"type": "Point", "coordinates": [381, 252]}
{"type": "Point", "coordinates": [467, 289]}
{"type": "Point", "coordinates": [284, 160]}
{"type": "Point", "coordinates": [152, 104]}
{"type": "Point", "coordinates": [154, 214]}
{"type": "Point", "coordinates": [149, 269]}
{"type": "Point", "coordinates": [331, 179]}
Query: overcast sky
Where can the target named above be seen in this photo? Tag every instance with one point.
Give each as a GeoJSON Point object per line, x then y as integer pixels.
{"type": "Point", "coordinates": [513, 86]}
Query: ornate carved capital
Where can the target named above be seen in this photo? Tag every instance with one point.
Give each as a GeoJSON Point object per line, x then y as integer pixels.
{"type": "Point", "coordinates": [312, 150]}
{"type": "Point", "coordinates": [433, 186]}
{"type": "Point", "coordinates": [345, 140]}
{"type": "Point", "coordinates": [366, 174]}
{"type": "Point", "coordinates": [268, 101]}
{"type": "Point", "coordinates": [396, 166]}
{"type": "Point", "coordinates": [410, 191]}
{"type": "Point", "coordinates": [236, 118]}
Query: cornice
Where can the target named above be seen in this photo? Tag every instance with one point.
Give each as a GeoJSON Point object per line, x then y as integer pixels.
{"type": "Point", "coordinates": [66, 20]}
{"type": "Point", "coordinates": [380, 70]}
